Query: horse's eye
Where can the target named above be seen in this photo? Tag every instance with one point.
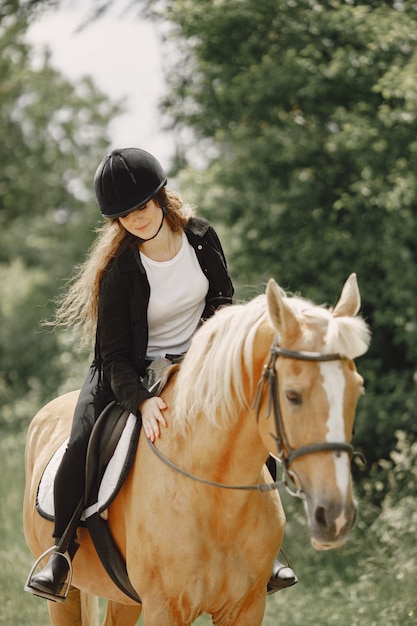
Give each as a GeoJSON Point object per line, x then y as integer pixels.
{"type": "Point", "coordinates": [293, 397]}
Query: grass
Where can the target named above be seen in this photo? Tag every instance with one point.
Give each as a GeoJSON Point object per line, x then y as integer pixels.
{"type": "Point", "coordinates": [17, 607]}
{"type": "Point", "coordinates": [371, 581]}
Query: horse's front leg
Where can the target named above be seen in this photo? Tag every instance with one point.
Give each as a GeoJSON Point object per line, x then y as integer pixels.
{"type": "Point", "coordinates": [249, 613]}
{"type": "Point", "coordinates": [79, 609]}
{"type": "Point", "coordinates": [121, 614]}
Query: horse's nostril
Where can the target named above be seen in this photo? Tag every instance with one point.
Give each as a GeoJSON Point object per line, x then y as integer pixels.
{"type": "Point", "coordinates": [321, 516]}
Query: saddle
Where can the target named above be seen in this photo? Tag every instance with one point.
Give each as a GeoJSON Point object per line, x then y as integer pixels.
{"type": "Point", "coordinates": [111, 450]}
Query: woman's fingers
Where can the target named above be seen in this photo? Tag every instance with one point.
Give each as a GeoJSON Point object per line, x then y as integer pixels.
{"type": "Point", "coordinates": [151, 411]}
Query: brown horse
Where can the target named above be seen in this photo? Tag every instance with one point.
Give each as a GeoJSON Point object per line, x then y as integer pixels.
{"type": "Point", "coordinates": [192, 547]}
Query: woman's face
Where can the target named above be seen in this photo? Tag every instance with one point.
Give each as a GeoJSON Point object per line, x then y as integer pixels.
{"type": "Point", "coordinates": [145, 222]}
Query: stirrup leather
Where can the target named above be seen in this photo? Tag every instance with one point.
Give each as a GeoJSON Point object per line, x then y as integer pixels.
{"type": "Point", "coordinates": [59, 597]}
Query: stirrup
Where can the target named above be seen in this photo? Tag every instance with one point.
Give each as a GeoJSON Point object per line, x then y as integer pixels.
{"type": "Point", "coordinates": [59, 597]}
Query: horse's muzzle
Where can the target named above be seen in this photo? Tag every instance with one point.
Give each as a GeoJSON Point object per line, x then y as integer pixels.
{"type": "Point", "coordinates": [330, 523]}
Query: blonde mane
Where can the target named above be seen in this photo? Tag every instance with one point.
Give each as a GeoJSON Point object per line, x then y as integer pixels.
{"type": "Point", "coordinates": [210, 379]}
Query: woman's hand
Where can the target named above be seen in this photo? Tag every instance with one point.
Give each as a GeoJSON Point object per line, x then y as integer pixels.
{"type": "Point", "coordinates": [151, 411]}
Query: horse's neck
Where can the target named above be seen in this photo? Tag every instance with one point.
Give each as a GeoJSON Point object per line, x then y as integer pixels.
{"type": "Point", "coordinates": [232, 456]}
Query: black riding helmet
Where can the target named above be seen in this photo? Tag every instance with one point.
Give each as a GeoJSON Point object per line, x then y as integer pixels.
{"type": "Point", "coordinates": [126, 180]}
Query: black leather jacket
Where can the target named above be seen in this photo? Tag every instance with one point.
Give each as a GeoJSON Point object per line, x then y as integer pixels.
{"type": "Point", "coordinates": [122, 327]}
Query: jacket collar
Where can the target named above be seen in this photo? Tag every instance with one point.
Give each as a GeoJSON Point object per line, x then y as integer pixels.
{"type": "Point", "coordinates": [197, 226]}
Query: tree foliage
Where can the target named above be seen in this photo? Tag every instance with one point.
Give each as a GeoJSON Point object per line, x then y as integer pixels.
{"type": "Point", "coordinates": [296, 122]}
{"type": "Point", "coordinates": [301, 119]}
{"type": "Point", "coordinates": [53, 133]}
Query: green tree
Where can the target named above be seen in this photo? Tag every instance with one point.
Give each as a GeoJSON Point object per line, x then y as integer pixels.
{"type": "Point", "coordinates": [296, 125]}
{"type": "Point", "coordinates": [52, 133]}
{"type": "Point", "coordinates": [303, 123]}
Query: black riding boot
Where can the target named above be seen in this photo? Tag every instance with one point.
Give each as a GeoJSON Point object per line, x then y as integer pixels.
{"type": "Point", "coordinates": [49, 582]}
{"type": "Point", "coordinates": [282, 576]}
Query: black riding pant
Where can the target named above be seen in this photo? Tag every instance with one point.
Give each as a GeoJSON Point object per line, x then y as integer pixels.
{"type": "Point", "coordinates": [70, 478]}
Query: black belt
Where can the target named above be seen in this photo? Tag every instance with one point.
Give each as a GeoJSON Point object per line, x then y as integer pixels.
{"type": "Point", "coordinates": [174, 358]}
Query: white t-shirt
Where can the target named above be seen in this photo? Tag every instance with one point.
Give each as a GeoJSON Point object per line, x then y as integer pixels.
{"type": "Point", "coordinates": [177, 301]}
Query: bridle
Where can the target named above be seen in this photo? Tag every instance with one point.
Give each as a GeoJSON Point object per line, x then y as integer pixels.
{"type": "Point", "coordinates": [286, 454]}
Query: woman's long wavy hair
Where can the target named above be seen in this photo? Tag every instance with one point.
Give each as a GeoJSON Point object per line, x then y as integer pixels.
{"type": "Point", "coordinates": [78, 306]}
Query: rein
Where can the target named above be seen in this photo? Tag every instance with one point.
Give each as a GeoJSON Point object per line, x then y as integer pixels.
{"type": "Point", "coordinates": [269, 379]}
{"type": "Point", "coordinates": [264, 487]}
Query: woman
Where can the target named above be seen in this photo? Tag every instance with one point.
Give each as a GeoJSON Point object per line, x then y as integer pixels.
{"type": "Point", "coordinates": [153, 274]}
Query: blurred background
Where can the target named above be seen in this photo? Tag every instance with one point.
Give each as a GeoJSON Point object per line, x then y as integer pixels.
{"type": "Point", "coordinates": [292, 125]}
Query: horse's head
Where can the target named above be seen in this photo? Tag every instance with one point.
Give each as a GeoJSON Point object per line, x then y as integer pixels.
{"type": "Point", "coordinates": [314, 397]}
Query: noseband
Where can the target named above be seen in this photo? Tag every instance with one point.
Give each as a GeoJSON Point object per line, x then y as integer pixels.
{"type": "Point", "coordinates": [286, 453]}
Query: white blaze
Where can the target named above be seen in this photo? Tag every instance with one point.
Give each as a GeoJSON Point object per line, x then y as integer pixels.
{"type": "Point", "coordinates": [334, 387]}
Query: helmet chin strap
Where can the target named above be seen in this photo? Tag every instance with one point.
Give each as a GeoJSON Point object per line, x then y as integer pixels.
{"type": "Point", "coordinates": [164, 211]}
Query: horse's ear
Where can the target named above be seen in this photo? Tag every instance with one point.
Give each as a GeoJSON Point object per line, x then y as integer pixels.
{"type": "Point", "coordinates": [350, 300]}
{"type": "Point", "coordinates": [282, 317]}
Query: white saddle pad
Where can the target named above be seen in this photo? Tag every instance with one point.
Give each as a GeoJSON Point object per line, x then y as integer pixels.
{"type": "Point", "coordinates": [108, 487]}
